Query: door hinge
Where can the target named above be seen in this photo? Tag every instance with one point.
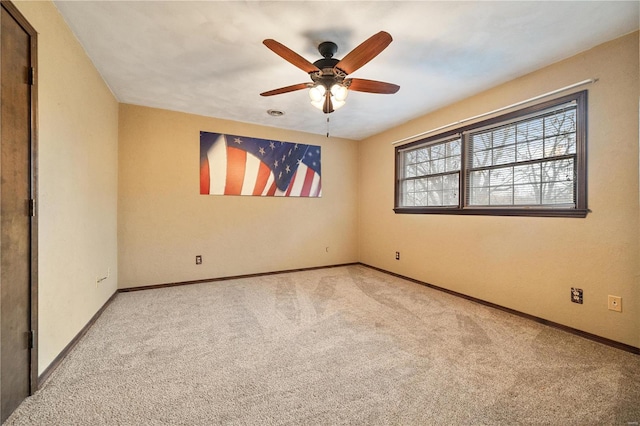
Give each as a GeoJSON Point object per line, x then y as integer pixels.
{"type": "Point", "coordinates": [32, 207]}
{"type": "Point", "coordinates": [32, 76]}
{"type": "Point", "coordinates": [32, 339]}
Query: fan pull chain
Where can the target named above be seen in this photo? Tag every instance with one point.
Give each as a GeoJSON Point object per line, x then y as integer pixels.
{"type": "Point", "coordinates": [327, 126]}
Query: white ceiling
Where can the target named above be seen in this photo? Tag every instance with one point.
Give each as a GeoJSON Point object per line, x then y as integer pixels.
{"type": "Point", "coordinates": [207, 57]}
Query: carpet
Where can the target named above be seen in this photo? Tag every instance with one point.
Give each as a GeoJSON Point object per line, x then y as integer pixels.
{"type": "Point", "coordinates": [346, 345]}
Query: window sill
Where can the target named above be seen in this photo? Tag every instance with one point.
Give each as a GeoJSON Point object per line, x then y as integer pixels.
{"type": "Point", "coordinates": [530, 212]}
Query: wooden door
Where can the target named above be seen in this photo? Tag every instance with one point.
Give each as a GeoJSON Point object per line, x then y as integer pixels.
{"type": "Point", "coordinates": [17, 208]}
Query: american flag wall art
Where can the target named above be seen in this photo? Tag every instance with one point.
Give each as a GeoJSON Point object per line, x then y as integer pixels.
{"type": "Point", "coordinates": [239, 165]}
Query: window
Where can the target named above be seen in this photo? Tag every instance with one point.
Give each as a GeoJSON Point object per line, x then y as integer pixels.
{"type": "Point", "coordinates": [528, 163]}
{"type": "Point", "coordinates": [432, 174]}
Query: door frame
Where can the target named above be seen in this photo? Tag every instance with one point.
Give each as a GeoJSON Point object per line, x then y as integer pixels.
{"type": "Point", "coordinates": [33, 173]}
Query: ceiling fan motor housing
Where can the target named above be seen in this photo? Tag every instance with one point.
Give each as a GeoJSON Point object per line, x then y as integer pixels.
{"type": "Point", "coordinates": [328, 74]}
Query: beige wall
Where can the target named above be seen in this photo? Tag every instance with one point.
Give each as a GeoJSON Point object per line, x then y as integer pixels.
{"type": "Point", "coordinates": [77, 161]}
{"type": "Point", "coordinates": [529, 264]}
{"type": "Point", "coordinates": [164, 222]}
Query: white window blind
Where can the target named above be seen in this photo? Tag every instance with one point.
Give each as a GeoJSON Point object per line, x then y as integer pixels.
{"type": "Point", "coordinates": [527, 163]}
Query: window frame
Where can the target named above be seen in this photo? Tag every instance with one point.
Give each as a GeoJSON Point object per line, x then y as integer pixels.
{"type": "Point", "coordinates": [579, 211]}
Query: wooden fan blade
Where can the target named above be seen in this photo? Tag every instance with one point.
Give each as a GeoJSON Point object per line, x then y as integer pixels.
{"type": "Point", "coordinates": [371, 86]}
{"type": "Point", "coordinates": [290, 56]}
{"type": "Point", "coordinates": [365, 52]}
{"type": "Point", "coordinates": [287, 89]}
{"type": "Point", "coordinates": [327, 108]}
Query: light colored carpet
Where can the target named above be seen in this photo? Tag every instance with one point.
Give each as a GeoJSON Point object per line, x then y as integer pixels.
{"type": "Point", "coordinates": [347, 345]}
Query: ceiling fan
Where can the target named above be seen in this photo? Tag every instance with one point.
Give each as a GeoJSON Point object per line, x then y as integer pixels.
{"type": "Point", "coordinates": [329, 87]}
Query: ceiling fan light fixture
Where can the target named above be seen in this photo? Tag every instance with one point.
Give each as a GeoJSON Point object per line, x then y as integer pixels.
{"type": "Point", "coordinates": [339, 92]}
{"type": "Point", "coordinates": [336, 103]}
{"type": "Point", "coordinates": [318, 104]}
{"type": "Point", "coordinates": [317, 92]}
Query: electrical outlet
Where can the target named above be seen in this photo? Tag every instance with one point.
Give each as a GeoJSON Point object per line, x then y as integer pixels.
{"type": "Point", "coordinates": [615, 303]}
{"type": "Point", "coordinates": [198, 260]}
{"type": "Point", "coordinates": [397, 255]}
{"type": "Point", "coordinates": [576, 295]}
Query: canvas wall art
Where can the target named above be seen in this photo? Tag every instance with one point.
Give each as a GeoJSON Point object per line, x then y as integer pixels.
{"type": "Point", "coordinates": [239, 165]}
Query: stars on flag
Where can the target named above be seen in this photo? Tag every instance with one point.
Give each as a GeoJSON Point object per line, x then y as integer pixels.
{"type": "Point", "coordinates": [283, 158]}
